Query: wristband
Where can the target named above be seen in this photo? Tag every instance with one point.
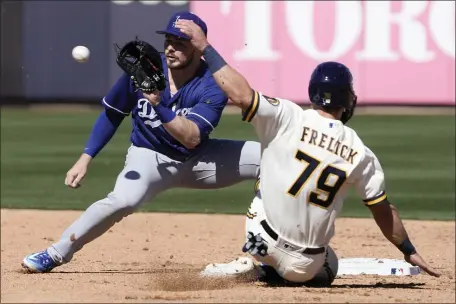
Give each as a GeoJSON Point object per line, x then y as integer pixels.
{"type": "Point", "coordinates": [407, 247]}
{"type": "Point", "coordinates": [213, 59]}
{"type": "Point", "coordinates": [165, 114]}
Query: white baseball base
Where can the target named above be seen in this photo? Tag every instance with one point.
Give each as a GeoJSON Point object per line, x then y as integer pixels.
{"type": "Point", "coordinates": [347, 266]}
{"type": "Point", "coordinates": [384, 267]}
{"type": "Point", "coordinates": [240, 266]}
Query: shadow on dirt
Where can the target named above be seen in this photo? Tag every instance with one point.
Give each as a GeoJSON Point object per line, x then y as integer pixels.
{"type": "Point", "coordinates": [382, 285]}
{"type": "Point", "coordinates": [122, 271]}
{"type": "Point", "coordinates": [359, 286]}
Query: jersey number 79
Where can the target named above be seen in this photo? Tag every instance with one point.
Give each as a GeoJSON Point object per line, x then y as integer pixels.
{"type": "Point", "coordinates": [323, 185]}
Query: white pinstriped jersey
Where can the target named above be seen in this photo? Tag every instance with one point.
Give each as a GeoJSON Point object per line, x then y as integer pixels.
{"type": "Point", "coordinates": [308, 164]}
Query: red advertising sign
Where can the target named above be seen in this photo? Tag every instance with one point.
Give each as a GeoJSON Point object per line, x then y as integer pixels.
{"type": "Point", "coordinates": [399, 51]}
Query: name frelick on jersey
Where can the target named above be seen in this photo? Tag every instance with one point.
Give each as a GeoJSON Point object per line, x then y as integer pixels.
{"type": "Point", "coordinates": [334, 146]}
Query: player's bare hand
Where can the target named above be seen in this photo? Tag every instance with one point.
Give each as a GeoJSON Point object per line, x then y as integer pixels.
{"type": "Point", "coordinates": [153, 98]}
{"type": "Point", "coordinates": [194, 31]}
{"type": "Point", "coordinates": [75, 175]}
{"type": "Point", "coordinates": [416, 260]}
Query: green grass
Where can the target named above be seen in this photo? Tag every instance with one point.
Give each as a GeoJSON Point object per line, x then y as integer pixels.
{"type": "Point", "coordinates": [416, 152]}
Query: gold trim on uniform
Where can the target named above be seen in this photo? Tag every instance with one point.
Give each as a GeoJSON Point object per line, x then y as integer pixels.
{"type": "Point", "coordinates": [251, 215]}
{"type": "Point", "coordinates": [254, 105]}
{"type": "Point", "coordinates": [375, 200]}
{"type": "Point", "coordinates": [256, 187]}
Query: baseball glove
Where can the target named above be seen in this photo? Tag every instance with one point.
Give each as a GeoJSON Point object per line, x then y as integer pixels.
{"type": "Point", "coordinates": [142, 62]}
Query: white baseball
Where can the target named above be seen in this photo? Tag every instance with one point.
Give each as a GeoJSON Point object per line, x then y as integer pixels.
{"type": "Point", "coordinates": [80, 53]}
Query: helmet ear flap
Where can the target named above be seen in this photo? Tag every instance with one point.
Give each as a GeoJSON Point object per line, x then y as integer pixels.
{"type": "Point", "coordinates": [348, 113]}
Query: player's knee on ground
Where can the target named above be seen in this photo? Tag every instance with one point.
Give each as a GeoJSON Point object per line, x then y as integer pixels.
{"type": "Point", "coordinates": [310, 272]}
{"type": "Point", "coordinates": [299, 273]}
{"type": "Point", "coordinates": [326, 275]}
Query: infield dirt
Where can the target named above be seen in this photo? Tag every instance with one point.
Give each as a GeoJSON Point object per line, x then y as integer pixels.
{"type": "Point", "coordinates": [156, 257]}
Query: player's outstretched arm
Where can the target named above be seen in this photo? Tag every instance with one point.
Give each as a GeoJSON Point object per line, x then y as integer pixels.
{"type": "Point", "coordinates": [370, 185]}
{"type": "Point", "coordinates": [103, 130]}
{"type": "Point", "coordinates": [387, 218]}
{"type": "Point", "coordinates": [230, 81]}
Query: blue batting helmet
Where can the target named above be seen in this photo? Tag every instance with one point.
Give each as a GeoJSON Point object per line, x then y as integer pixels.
{"type": "Point", "coordinates": [331, 85]}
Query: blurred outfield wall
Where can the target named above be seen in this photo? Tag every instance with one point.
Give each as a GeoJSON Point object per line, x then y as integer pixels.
{"type": "Point", "coordinates": [400, 52]}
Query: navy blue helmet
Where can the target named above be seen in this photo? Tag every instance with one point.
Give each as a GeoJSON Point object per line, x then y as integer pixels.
{"type": "Point", "coordinates": [331, 85]}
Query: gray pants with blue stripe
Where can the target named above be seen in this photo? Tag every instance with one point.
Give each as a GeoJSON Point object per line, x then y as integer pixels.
{"type": "Point", "coordinates": [222, 163]}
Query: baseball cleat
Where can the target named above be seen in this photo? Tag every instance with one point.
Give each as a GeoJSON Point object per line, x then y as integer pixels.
{"type": "Point", "coordinates": [39, 262]}
{"type": "Point", "coordinates": [268, 274]}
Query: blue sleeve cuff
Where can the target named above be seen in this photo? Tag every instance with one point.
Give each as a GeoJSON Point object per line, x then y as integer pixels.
{"type": "Point", "coordinates": [204, 126]}
{"type": "Point", "coordinates": [164, 114]}
{"type": "Point", "coordinates": [102, 132]}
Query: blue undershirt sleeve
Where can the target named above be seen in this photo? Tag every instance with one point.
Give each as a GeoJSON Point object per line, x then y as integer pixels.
{"type": "Point", "coordinates": [103, 130]}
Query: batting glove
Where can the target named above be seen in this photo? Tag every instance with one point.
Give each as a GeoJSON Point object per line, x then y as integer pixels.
{"type": "Point", "coordinates": [255, 245]}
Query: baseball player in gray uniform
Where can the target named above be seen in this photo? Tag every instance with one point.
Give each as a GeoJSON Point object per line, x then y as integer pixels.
{"type": "Point", "coordinates": [170, 145]}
